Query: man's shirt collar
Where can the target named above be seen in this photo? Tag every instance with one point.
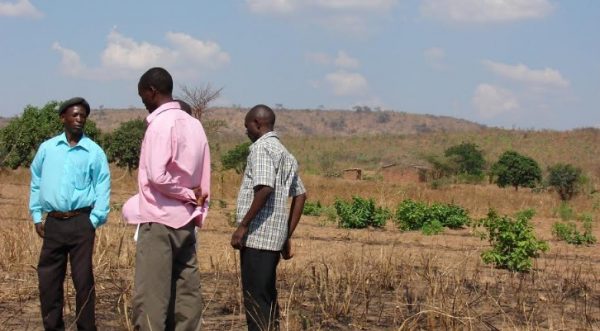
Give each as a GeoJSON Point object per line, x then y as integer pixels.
{"type": "Point", "coordinates": [164, 107]}
{"type": "Point", "coordinates": [84, 142]}
{"type": "Point", "coordinates": [267, 135]}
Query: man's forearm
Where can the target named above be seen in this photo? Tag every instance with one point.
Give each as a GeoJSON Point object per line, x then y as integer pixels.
{"type": "Point", "coordinates": [295, 212]}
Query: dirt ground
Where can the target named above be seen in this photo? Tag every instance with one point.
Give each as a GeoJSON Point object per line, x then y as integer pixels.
{"type": "Point", "coordinates": [372, 279]}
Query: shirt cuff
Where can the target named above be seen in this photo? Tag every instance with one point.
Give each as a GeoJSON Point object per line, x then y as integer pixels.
{"type": "Point", "coordinates": [37, 217]}
{"type": "Point", "coordinates": [94, 220]}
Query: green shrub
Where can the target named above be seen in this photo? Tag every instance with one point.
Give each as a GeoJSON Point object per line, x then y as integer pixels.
{"type": "Point", "coordinates": [467, 159]}
{"type": "Point", "coordinates": [236, 158]}
{"type": "Point", "coordinates": [312, 208]}
{"type": "Point", "coordinates": [569, 233]}
{"type": "Point", "coordinates": [412, 215]}
{"type": "Point", "coordinates": [566, 179]}
{"type": "Point", "coordinates": [513, 241]}
{"type": "Point", "coordinates": [360, 213]}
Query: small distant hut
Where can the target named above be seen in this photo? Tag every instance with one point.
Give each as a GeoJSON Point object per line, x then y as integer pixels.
{"type": "Point", "coordinates": [352, 173]}
{"type": "Point", "coordinates": [404, 174]}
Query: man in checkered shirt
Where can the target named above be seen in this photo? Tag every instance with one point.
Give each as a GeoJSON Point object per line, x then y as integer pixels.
{"type": "Point", "coordinates": [264, 224]}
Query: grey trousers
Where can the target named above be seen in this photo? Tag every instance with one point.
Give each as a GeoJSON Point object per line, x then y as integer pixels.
{"type": "Point", "coordinates": [167, 281]}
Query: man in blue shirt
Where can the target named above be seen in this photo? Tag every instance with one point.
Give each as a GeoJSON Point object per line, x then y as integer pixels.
{"type": "Point", "coordinates": [70, 182]}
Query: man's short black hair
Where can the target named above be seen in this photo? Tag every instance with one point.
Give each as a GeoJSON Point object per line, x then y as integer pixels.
{"type": "Point", "coordinates": [159, 78]}
{"type": "Point", "coordinates": [74, 102]}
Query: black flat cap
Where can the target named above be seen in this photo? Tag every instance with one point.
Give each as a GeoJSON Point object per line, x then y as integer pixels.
{"type": "Point", "coordinates": [72, 102]}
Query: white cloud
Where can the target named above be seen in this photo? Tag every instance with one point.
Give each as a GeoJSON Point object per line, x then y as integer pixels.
{"type": "Point", "coordinates": [343, 60]}
{"type": "Point", "coordinates": [346, 83]}
{"type": "Point", "coordinates": [354, 4]}
{"type": "Point", "coordinates": [205, 53]}
{"type": "Point", "coordinates": [484, 11]}
{"type": "Point", "coordinates": [271, 6]}
{"type": "Point", "coordinates": [124, 56]}
{"type": "Point", "coordinates": [22, 8]}
{"type": "Point", "coordinates": [522, 73]}
{"type": "Point", "coordinates": [125, 53]}
{"type": "Point", "coordinates": [490, 101]}
{"type": "Point", "coordinates": [435, 56]}
{"type": "Point", "coordinates": [70, 63]}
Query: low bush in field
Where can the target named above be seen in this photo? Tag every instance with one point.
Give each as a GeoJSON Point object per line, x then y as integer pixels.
{"type": "Point", "coordinates": [360, 213]}
{"type": "Point", "coordinates": [312, 208]}
{"type": "Point", "coordinates": [431, 219]}
{"type": "Point", "coordinates": [513, 242]}
{"type": "Point", "coordinates": [568, 232]}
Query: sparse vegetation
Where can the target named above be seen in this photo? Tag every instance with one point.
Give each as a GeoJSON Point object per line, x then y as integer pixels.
{"type": "Point", "coordinates": [353, 279]}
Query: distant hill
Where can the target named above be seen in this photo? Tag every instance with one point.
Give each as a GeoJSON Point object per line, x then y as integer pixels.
{"type": "Point", "coordinates": [314, 122]}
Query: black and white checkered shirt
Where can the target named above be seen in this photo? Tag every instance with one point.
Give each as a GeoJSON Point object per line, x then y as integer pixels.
{"type": "Point", "coordinates": [269, 164]}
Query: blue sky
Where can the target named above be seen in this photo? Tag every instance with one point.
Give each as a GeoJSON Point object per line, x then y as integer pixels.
{"type": "Point", "coordinates": [507, 63]}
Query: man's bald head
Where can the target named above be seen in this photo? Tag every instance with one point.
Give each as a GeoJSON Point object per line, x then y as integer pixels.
{"type": "Point", "coordinates": [259, 120]}
{"type": "Point", "coordinates": [263, 114]}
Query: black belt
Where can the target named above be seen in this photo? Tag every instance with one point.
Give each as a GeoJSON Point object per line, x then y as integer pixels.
{"type": "Point", "coordinates": [63, 215]}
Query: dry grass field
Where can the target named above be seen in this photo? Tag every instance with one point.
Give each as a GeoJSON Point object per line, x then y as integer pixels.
{"type": "Point", "coordinates": [373, 279]}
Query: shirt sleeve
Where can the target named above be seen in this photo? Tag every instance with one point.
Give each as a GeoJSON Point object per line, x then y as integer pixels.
{"type": "Point", "coordinates": [160, 153]}
{"type": "Point", "coordinates": [297, 186]}
{"type": "Point", "coordinates": [263, 167]}
{"type": "Point", "coordinates": [35, 207]}
{"type": "Point", "coordinates": [101, 182]}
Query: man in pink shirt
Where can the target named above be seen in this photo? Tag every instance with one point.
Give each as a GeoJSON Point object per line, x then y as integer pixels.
{"type": "Point", "coordinates": [174, 186]}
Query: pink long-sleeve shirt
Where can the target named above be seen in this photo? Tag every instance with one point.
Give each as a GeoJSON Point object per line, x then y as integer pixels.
{"type": "Point", "coordinates": [174, 160]}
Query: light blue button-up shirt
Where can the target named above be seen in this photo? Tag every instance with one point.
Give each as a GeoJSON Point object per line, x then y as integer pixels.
{"type": "Point", "coordinates": [65, 178]}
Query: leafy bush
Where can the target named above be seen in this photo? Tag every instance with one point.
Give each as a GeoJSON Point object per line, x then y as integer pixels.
{"type": "Point", "coordinates": [360, 213]}
{"type": "Point", "coordinates": [312, 208]}
{"type": "Point", "coordinates": [516, 170]}
{"type": "Point", "coordinates": [513, 242]}
{"type": "Point", "coordinates": [569, 233]}
{"type": "Point", "coordinates": [412, 215]}
{"type": "Point", "coordinates": [123, 145]}
{"type": "Point", "coordinates": [566, 179]}
{"type": "Point", "coordinates": [236, 158]}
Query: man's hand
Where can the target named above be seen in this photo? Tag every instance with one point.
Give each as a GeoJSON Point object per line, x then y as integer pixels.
{"type": "Point", "coordinates": [286, 252]}
{"type": "Point", "coordinates": [200, 198]}
{"type": "Point", "coordinates": [238, 236]}
{"type": "Point", "coordinates": [39, 228]}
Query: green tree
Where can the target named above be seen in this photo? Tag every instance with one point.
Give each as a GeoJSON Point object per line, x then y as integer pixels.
{"type": "Point", "coordinates": [123, 145]}
{"type": "Point", "coordinates": [20, 139]}
{"type": "Point", "coordinates": [565, 178]}
{"type": "Point", "coordinates": [467, 157]}
{"type": "Point", "coordinates": [516, 170]}
{"type": "Point", "coordinates": [236, 158]}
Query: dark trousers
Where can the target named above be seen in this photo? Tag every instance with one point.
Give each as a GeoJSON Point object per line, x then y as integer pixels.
{"type": "Point", "coordinates": [260, 293]}
{"type": "Point", "coordinates": [73, 239]}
